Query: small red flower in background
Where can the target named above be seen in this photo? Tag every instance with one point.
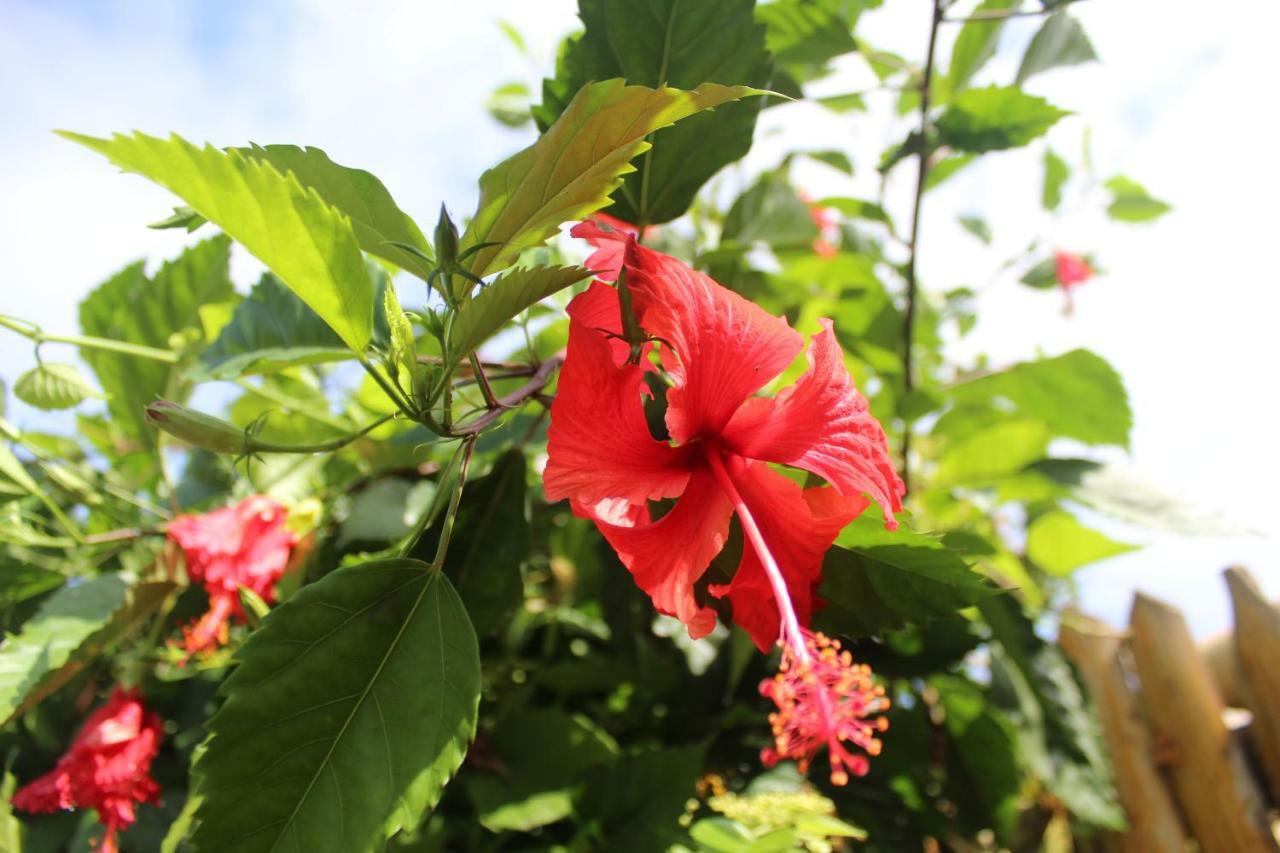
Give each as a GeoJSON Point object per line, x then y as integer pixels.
{"type": "Point", "coordinates": [719, 350]}
{"type": "Point", "coordinates": [826, 243]}
{"type": "Point", "coordinates": [106, 769]}
{"type": "Point", "coordinates": [1071, 271]}
{"type": "Point", "coordinates": [245, 545]}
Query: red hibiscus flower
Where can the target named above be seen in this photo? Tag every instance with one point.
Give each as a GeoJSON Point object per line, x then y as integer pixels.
{"type": "Point", "coordinates": [718, 350]}
{"type": "Point", "coordinates": [1072, 271]}
{"type": "Point", "coordinates": [825, 244]}
{"type": "Point", "coordinates": [106, 768]}
{"type": "Point", "coordinates": [245, 545]}
{"type": "Point", "coordinates": [602, 232]}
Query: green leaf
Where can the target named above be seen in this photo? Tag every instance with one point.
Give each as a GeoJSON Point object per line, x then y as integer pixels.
{"type": "Point", "coordinates": [544, 755]}
{"type": "Point", "coordinates": [50, 638]}
{"type": "Point", "coordinates": [983, 773]}
{"type": "Point", "coordinates": [351, 707]}
{"type": "Point", "coordinates": [993, 453]}
{"type": "Point", "coordinates": [770, 211]}
{"type": "Point", "coordinates": [302, 238]}
{"type": "Point", "coordinates": [804, 35]}
{"type": "Point", "coordinates": [1059, 41]}
{"type": "Point", "coordinates": [271, 330]}
{"type": "Point", "coordinates": [946, 167]}
{"type": "Point", "coordinates": [402, 353]}
{"type": "Point", "coordinates": [856, 208]}
{"type": "Point", "coordinates": [133, 308]}
{"type": "Point", "coordinates": [876, 579]}
{"type": "Point", "coordinates": [638, 798]}
{"type": "Point", "coordinates": [1130, 202]}
{"type": "Point", "coordinates": [978, 227]}
{"type": "Point", "coordinates": [995, 118]}
{"type": "Point", "coordinates": [10, 826]}
{"type": "Point", "coordinates": [491, 541]}
{"type": "Point", "coordinates": [977, 42]}
{"type": "Point", "coordinates": [1058, 735]}
{"type": "Point", "coordinates": [1056, 173]}
{"type": "Point", "coordinates": [1042, 276]}
{"type": "Point", "coordinates": [21, 581]}
{"type": "Point", "coordinates": [509, 104]}
{"type": "Point", "coordinates": [1076, 395]}
{"type": "Point", "coordinates": [721, 835]}
{"type": "Point", "coordinates": [1060, 544]}
{"type": "Point", "coordinates": [182, 217]}
{"type": "Point", "coordinates": [837, 160]}
{"type": "Point", "coordinates": [53, 386]}
{"type": "Point", "coordinates": [669, 43]}
{"type": "Point", "coordinates": [375, 218]}
{"type": "Point", "coordinates": [576, 164]}
{"type": "Point", "coordinates": [500, 302]}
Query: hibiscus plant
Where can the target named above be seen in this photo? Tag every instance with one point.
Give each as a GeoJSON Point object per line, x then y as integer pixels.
{"type": "Point", "coordinates": [644, 507]}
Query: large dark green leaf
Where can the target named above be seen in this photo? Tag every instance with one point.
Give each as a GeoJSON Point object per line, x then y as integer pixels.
{"type": "Point", "coordinates": [875, 579]}
{"type": "Point", "coordinates": [290, 227]}
{"type": "Point", "coordinates": [1059, 41]}
{"type": "Point", "coordinates": [491, 541]}
{"type": "Point", "coordinates": [272, 329]}
{"type": "Point", "coordinates": [669, 43]}
{"type": "Point", "coordinates": [375, 217]}
{"type": "Point", "coordinates": [1059, 737]}
{"type": "Point", "coordinates": [351, 707]}
{"type": "Point", "coordinates": [995, 118]}
{"type": "Point", "coordinates": [983, 773]}
{"type": "Point", "coordinates": [133, 308]}
{"type": "Point", "coordinates": [1076, 395]}
{"type": "Point", "coordinates": [977, 42]}
{"type": "Point", "coordinates": [576, 164]}
{"type": "Point", "coordinates": [71, 626]}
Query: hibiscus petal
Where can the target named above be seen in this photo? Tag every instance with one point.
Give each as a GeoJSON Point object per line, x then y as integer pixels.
{"type": "Point", "coordinates": [609, 236]}
{"type": "Point", "coordinates": [668, 556]}
{"type": "Point", "coordinates": [726, 348]}
{"type": "Point", "coordinates": [822, 424]}
{"type": "Point", "coordinates": [599, 445]}
{"type": "Point", "coordinates": [799, 526]}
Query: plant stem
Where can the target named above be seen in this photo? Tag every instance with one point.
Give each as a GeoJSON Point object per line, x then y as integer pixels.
{"type": "Point", "coordinates": [390, 390]}
{"type": "Point", "coordinates": [451, 514]}
{"type": "Point", "coordinates": [477, 370]}
{"type": "Point", "coordinates": [323, 447]}
{"type": "Point", "coordinates": [525, 392]}
{"type": "Point", "coordinates": [1001, 14]}
{"type": "Point", "coordinates": [922, 173]}
{"type": "Point", "coordinates": [34, 333]}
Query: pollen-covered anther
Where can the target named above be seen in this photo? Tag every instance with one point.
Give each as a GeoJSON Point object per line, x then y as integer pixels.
{"type": "Point", "coordinates": [824, 699]}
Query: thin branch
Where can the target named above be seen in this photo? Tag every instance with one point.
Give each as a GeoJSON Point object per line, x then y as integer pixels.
{"type": "Point", "coordinates": [1002, 14]}
{"type": "Point", "coordinates": [922, 173]}
{"type": "Point", "coordinates": [529, 390]}
{"type": "Point", "coordinates": [38, 336]}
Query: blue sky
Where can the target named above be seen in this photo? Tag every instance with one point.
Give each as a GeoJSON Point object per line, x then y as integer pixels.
{"type": "Point", "coordinates": [1187, 309]}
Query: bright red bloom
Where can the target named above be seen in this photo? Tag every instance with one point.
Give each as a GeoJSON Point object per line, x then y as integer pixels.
{"type": "Point", "coordinates": [245, 545]}
{"type": "Point", "coordinates": [1071, 269]}
{"type": "Point", "coordinates": [602, 231]}
{"type": "Point", "coordinates": [826, 243]}
{"type": "Point", "coordinates": [106, 768]}
{"type": "Point", "coordinates": [718, 350]}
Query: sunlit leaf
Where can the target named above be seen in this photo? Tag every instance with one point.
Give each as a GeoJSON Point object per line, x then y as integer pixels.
{"type": "Point", "coordinates": [1059, 41]}
{"type": "Point", "coordinates": [500, 302]}
{"type": "Point", "coordinates": [1130, 201]}
{"type": "Point", "coordinates": [1058, 543]}
{"type": "Point", "coordinates": [995, 118]}
{"type": "Point", "coordinates": [977, 41]}
{"type": "Point", "coordinates": [1056, 173]}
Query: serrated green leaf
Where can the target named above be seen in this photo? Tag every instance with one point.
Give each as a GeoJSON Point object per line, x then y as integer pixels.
{"type": "Point", "coordinates": [576, 164]}
{"type": "Point", "coordinates": [685, 45]}
{"type": "Point", "coordinates": [770, 211]}
{"type": "Point", "coordinates": [1059, 41]}
{"type": "Point", "coordinates": [1130, 201]}
{"type": "Point", "coordinates": [1058, 543]}
{"type": "Point", "coordinates": [150, 311]}
{"type": "Point", "coordinates": [49, 639]}
{"type": "Point", "coordinates": [272, 329]}
{"type": "Point", "coordinates": [977, 42]}
{"type": "Point", "coordinates": [1056, 173]}
{"type": "Point", "coordinates": [351, 707]}
{"type": "Point", "coordinates": [51, 385]}
{"type": "Point", "coordinates": [302, 238]}
{"type": "Point", "coordinates": [375, 218]}
{"type": "Point", "coordinates": [995, 118]}
{"type": "Point", "coordinates": [1076, 395]}
{"type": "Point", "coordinates": [876, 579]}
{"type": "Point", "coordinates": [182, 217]}
{"type": "Point", "coordinates": [21, 581]}
{"type": "Point", "coordinates": [500, 302]}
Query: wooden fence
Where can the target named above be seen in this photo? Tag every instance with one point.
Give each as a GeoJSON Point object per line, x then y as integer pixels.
{"type": "Point", "coordinates": [1194, 733]}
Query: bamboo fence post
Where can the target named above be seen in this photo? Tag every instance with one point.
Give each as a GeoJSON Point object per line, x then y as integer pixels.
{"type": "Point", "coordinates": [1154, 824]}
{"type": "Point", "coordinates": [1222, 804]}
{"type": "Point", "coordinates": [1257, 646]}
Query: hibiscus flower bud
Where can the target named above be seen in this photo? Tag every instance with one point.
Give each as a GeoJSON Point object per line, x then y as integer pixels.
{"type": "Point", "coordinates": [446, 239]}
{"type": "Point", "coordinates": [824, 699]}
{"type": "Point", "coordinates": [107, 768]}
{"type": "Point", "coordinates": [196, 428]}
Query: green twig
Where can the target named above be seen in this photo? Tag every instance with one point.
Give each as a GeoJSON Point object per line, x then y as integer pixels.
{"type": "Point", "coordinates": [35, 334]}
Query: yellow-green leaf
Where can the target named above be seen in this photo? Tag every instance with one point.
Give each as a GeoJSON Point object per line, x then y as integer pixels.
{"type": "Point", "coordinates": [1059, 544]}
{"type": "Point", "coordinates": [498, 303]}
{"type": "Point", "coordinates": [54, 386]}
{"type": "Point", "coordinates": [304, 240]}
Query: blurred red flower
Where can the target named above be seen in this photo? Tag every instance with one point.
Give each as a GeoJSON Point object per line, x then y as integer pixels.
{"type": "Point", "coordinates": [106, 768]}
{"type": "Point", "coordinates": [244, 545]}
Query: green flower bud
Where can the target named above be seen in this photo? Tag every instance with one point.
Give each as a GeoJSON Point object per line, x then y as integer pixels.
{"type": "Point", "coordinates": [446, 239]}
{"type": "Point", "coordinates": [195, 428]}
